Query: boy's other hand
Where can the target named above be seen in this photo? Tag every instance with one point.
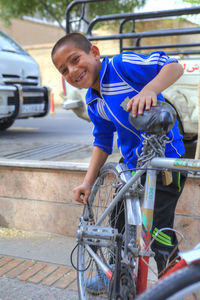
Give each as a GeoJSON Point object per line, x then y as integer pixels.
{"type": "Point", "coordinates": [81, 193]}
{"type": "Point", "coordinates": [143, 100]}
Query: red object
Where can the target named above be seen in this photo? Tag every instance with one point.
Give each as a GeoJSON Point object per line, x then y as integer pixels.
{"type": "Point", "coordinates": [109, 274]}
{"type": "Point", "coordinates": [52, 110]}
{"type": "Point", "coordinates": [142, 274]}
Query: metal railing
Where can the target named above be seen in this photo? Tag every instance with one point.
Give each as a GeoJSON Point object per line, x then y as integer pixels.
{"type": "Point", "coordinates": [138, 36]}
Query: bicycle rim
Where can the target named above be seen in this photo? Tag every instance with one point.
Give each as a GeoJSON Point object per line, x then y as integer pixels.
{"type": "Point", "coordinates": [181, 285]}
{"type": "Point", "coordinates": [105, 187]}
{"type": "Point", "coordinates": [191, 292]}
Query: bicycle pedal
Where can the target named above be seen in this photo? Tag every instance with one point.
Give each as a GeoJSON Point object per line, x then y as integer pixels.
{"type": "Point", "coordinates": [167, 177]}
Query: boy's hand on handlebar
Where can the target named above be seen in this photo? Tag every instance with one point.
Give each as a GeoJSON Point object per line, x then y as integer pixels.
{"type": "Point", "coordinates": [81, 193]}
{"type": "Point", "coordinates": [143, 100]}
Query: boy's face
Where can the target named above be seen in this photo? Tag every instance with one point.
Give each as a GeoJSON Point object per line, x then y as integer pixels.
{"type": "Point", "coordinates": [80, 69]}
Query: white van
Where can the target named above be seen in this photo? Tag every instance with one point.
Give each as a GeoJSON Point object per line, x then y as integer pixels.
{"type": "Point", "coordinates": [21, 93]}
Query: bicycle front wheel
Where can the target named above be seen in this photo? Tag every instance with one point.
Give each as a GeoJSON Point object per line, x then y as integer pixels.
{"type": "Point", "coordinates": [105, 188]}
{"type": "Point", "coordinates": [183, 284]}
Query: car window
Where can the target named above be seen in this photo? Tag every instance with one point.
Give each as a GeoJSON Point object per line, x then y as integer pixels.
{"type": "Point", "coordinates": [8, 44]}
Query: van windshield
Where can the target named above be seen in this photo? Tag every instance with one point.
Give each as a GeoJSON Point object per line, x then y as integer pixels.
{"type": "Point", "coordinates": [8, 44]}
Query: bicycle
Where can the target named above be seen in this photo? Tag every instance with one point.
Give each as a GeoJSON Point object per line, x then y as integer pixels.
{"type": "Point", "coordinates": [101, 248]}
{"type": "Point", "coordinates": [183, 280]}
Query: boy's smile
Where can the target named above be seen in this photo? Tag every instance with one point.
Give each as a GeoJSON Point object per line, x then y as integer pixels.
{"type": "Point", "coordinates": [80, 69]}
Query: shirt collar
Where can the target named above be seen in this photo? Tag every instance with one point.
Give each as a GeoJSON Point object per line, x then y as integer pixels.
{"type": "Point", "coordinates": [91, 93]}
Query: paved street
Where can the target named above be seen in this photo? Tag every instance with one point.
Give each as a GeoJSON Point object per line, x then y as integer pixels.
{"type": "Point", "coordinates": [61, 128]}
{"type": "Point", "coordinates": [59, 136]}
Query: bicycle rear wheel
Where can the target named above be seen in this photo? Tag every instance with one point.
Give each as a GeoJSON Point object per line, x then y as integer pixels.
{"type": "Point", "coordinates": [183, 284]}
{"type": "Point", "coordinates": [105, 188]}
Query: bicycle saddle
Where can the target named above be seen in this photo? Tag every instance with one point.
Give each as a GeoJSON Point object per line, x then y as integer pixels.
{"type": "Point", "coordinates": [158, 120]}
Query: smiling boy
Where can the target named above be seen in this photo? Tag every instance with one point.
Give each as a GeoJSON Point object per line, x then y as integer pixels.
{"type": "Point", "coordinates": [138, 80]}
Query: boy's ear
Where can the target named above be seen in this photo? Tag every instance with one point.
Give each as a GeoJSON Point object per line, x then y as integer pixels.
{"type": "Point", "coordinates": [95, 51]}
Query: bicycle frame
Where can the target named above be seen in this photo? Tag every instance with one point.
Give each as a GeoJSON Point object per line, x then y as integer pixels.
{"type": "Point", "coordinates": [134, 214]}
{"type": "Point", "coordinates": [179, 164]}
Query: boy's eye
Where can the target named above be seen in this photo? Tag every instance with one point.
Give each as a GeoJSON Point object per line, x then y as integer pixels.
{"type": "Point", "coordinates": [75, 59]}
{"type": "Point", "coordinates": [64, 71]}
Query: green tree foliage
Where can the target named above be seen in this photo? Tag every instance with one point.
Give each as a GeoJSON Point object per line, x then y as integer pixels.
{"type": "Point", "coordinates": [114, 7]}
{"type": "Point", "coordinates": [195, 2]}
{"type": "Point", "coordinates": [55, 9]}
{"type": "Point", "coordinates": [50, 9]}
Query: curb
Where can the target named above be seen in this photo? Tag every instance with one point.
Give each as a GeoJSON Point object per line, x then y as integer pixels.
{"type": "Point", "coordinates": [52, 165]}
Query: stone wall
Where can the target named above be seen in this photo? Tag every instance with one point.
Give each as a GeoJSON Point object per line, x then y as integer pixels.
{"type": "Point", "coordinates": [38, 196]}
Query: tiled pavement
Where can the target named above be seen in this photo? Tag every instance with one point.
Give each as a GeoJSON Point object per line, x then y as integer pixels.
{"type": "Point", "coordinates": [37, 272]}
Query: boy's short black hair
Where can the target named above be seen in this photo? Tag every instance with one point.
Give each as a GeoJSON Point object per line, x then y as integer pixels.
{"type": "Point", "coordinates": [75, 38]}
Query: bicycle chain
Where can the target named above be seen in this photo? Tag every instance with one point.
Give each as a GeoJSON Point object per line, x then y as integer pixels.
{"type": "Point", "coordinates": [153, 145]}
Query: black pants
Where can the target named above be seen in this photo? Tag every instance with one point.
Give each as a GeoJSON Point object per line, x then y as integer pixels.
{"type": "Point", "coordinates": [165, 203]}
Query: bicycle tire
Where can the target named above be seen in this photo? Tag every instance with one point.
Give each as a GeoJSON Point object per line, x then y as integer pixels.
{"type": "Point", "coordinates": [105, 187]}
{"type": "Point", "coordinates": [179, 285]}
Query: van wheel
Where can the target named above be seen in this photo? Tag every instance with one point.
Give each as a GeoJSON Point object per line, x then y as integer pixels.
{"type": "Point", "coordinates": [189, 137]}
{"type": "Point", "coordinates": [6, 123]}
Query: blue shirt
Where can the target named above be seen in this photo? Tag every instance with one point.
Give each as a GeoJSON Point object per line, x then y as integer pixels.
{"type": "Point", "coordinates": [124, 76]}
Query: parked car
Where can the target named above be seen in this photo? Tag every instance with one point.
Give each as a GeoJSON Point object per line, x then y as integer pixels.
{"type": "Point", "coordinates": [21, 93]}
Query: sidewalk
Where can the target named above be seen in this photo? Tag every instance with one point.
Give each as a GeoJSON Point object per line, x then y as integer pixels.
{"type": "Point", "coordinates": [36, 266]}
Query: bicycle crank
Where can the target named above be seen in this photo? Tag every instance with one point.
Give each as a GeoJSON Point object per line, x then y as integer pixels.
{"type": "Point", "coordinates": [127, 285]}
